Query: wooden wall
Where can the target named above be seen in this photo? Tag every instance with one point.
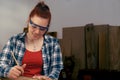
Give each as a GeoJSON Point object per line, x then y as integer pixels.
{"type": "Point", "coordinates": [93, 47]}
{"type": "Point", "coordinates": [73, 45]}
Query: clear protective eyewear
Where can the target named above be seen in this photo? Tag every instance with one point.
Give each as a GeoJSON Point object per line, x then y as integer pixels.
{"type": "Point", "coordinates": [40, 27]}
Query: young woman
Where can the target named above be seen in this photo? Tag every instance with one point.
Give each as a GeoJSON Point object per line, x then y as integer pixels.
{"type": "Point", "coordinates": [33, 53]}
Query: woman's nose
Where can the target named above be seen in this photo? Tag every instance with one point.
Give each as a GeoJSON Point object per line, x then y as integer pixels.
{"type": "Point", "coordinates": [37, 31]}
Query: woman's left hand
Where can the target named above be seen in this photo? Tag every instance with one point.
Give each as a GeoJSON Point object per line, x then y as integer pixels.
{"type": "Point", "coordinates": [41, 77]}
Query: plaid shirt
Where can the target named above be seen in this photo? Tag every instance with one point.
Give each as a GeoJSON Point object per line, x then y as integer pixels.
{"type": "Point", "coordinates": [51, 53]}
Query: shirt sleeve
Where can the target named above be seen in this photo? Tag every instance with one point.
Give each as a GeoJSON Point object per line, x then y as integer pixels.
{"type": "Point", "coordinates": [57, 63]}
{"type": "Point", "coordinates": [5, 59]}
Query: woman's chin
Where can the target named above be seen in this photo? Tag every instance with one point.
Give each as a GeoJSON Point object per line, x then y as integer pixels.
{"type": "Point", "coordinates": [36, 37]}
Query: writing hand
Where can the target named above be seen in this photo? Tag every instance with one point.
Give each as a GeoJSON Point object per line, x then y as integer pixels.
{"type": "Point", "coordinates": [16, 71]}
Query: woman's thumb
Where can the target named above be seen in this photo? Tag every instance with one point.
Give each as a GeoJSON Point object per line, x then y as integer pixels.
{"type": "Point", "coordinates": [23, 66]}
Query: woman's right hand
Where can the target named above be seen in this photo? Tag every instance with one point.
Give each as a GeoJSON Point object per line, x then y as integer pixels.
{"type": "Point", "coordinates": [16, 71]}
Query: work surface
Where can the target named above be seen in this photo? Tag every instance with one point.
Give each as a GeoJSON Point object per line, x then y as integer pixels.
{"type": "Point", "coordinates": [20, 78]}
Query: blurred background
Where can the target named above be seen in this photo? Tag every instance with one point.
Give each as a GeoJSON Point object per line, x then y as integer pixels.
{"type": "Point", "coordinates": [65, 13]}
{"type": "Point", "coordinates": [88, 31]}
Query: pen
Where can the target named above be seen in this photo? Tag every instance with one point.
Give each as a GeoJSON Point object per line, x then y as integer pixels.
{"type": "Point", "coordinates": [14, 58]}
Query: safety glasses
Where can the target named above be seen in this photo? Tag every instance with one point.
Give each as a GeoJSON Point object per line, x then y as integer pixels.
{"type": "Point", "coordinates": [40, 27]}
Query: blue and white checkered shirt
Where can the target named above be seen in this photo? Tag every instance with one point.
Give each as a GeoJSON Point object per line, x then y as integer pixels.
{"type": "Point", "coordinates": [51, 53]}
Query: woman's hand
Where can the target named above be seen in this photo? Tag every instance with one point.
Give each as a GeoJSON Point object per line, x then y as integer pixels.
{"type": "Point", "coordinates": [40, 77]}
{"type": "Point", "coordinates": [16, 71]}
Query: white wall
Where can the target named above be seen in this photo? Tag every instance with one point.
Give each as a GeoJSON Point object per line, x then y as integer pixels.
{"type": "Point", "coordinates": [65, 13]}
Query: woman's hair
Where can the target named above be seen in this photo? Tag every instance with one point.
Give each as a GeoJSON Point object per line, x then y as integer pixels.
{"type": "Point", "coordinates": [41, 10]}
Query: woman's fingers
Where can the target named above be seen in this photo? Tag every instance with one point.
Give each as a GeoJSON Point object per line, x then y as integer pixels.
{"type": "Point", "coordinates": [16, 71]}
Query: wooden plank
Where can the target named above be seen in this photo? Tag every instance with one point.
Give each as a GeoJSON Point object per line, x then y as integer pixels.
{"type": "Point", "coordinates": [103, 52]}
{"type": "Point", "coordinates": [114, 47]}
{"type": "Point", "coordinates": [101, 43]}
{"type": "Point", "coordinates": [90, 47]}
{"type": "Point", "coordinates": [67, 42]}
{"type": "Point", "coordinates": [94, 46]}
{"type": "Point", "coordinates": [75, 35]}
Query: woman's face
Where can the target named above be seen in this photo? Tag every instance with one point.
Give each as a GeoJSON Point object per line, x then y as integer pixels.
{"type": "Point", "coordinates": [37, 27]}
